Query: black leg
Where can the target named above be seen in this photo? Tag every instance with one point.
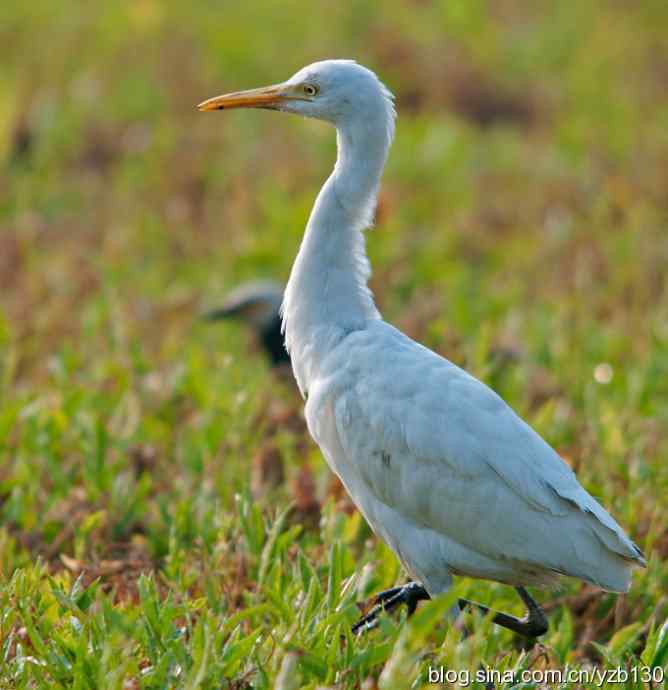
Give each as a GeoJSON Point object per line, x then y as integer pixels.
{"type": "Point", "coordinates": [386, 594]}
{"type": "Point", "coordinates": [388, 600]}
{"type": "Point", "coordinates": [534, 624]}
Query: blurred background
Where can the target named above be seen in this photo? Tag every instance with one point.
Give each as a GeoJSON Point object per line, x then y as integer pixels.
{"type": "Point", "coordinates": [521, 231]}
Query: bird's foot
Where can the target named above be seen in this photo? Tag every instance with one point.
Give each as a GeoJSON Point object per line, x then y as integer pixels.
{"type": "Point", "coordinates": [388, 600]}
{"type": "Point", "coordinates": [534, 624]}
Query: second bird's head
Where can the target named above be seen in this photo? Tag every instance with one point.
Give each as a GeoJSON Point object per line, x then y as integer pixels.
{"type": "Point", "coordinates": [338, 91]}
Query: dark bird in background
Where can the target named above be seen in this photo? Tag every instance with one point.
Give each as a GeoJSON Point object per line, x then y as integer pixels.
{"type": "Point", "coordinates": [258, 304]}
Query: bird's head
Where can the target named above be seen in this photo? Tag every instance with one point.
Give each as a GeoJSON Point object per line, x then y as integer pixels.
{"type": "Point", "coordinates": [257, 302]}
{"type": "Point", "coordinates": [338, 91]}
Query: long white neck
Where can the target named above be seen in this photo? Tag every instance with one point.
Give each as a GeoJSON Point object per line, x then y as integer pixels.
{"type": "Point", "coordinates": [327, 295]}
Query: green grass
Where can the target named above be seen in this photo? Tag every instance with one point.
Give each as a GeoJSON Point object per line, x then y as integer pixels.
{"type": "Point", "coordinates": [523, 232]}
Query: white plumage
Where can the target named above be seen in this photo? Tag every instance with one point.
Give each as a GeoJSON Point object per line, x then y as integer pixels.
{"type": "Point", "coordinates": [440, 466]}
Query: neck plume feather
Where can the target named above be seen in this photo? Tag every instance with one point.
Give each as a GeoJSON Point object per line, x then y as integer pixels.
{"type": "Point", "coordinates": [327, 295]}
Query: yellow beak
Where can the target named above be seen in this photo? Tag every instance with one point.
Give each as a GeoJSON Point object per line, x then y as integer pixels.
{"type": "Point", "coordinates": [265, 97]}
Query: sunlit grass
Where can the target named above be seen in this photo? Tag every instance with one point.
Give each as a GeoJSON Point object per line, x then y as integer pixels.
{"type": "Point", "coordinates": [146, 541]}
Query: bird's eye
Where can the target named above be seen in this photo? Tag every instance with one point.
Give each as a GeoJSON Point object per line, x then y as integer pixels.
{"type": "Point", "coordinates": [310, 90]}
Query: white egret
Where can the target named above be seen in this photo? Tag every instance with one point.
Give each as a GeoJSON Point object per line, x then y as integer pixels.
{"type": "Point", "coordinates": [439, 465]}
{"type": "Point", "coordinates": [257, 303]}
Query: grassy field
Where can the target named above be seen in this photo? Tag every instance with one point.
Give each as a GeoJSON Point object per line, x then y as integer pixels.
{"type": "Point", "coordinates": [166, 522]}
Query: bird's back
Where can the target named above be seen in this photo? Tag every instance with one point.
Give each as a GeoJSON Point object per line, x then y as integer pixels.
{"type": "Point", "coordinates": [450, 476]}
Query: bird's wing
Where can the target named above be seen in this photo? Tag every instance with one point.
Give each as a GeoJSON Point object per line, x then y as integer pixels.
{"type": "Point", "coordinates": [448, 453]}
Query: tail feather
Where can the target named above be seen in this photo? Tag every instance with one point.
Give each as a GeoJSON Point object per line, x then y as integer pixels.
{"type": "Point", "coordinates": [616, 541]}
{"type": "Point", "coordinates": [603, 525]}
{"type": "Point", "coordinates": [605, 555]}
{"type": "Point", "coordinates": [611, 556]}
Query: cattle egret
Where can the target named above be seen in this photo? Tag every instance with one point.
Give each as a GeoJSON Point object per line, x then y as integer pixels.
{"type": "Point", "coordinates": [257, 303]}
{"type": "Point", "coordinates": [439, 465]}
